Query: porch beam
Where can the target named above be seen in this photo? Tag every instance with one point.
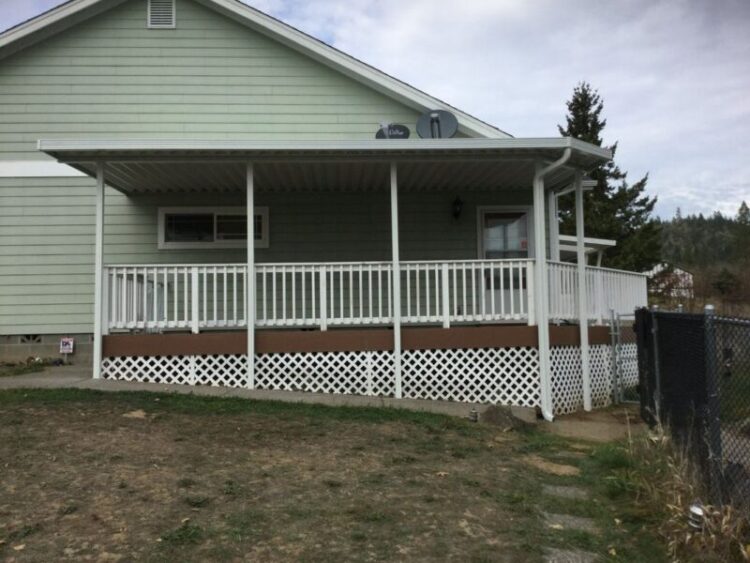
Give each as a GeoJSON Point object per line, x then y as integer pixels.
{"type": "Point", "coordinates": [98, 271]}
{"type": "Point", "coordinates": [583, 321]}
{"type": "Point", "coordinates": [250, 278]}
{"type": "Point", "coordinates": [396, 273]}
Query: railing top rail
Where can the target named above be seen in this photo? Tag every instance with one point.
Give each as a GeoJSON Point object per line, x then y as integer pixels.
{"type": "Point", "coordinates": [471, 261]}
{"type": "Point", "coordinates": [318, 264]}
{"type": "Point", "coordinates": [616, 271]}
{"type": "Point", "coordinates": [597, 268]}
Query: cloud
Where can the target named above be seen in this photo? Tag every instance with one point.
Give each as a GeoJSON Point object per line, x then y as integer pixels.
{"type": "Point", "coordinates": [674, 76]}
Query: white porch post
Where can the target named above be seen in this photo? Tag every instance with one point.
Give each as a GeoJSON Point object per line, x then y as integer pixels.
{"type": "Point", "coordinates": [250, 289]}
{"type": "Point", "coordinates": [583, 321]}
{"type": "Point", "coordinates": [98, 271]}
{"type": "Point", "coordinates": [554, 227]}
{"type": "Point", "coordinates": [396, 281]}
{"type": "Point", "coordinates": [541, 298]}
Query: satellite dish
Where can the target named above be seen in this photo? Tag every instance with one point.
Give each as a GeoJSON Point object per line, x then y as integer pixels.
{"type": "Point", "coordinates": [393, 131]}
{"type": "Point", "coordinates": [437, 124]}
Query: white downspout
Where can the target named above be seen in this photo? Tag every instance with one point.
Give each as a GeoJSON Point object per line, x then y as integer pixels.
{"type": "Point", "coordinates": [542, 295]}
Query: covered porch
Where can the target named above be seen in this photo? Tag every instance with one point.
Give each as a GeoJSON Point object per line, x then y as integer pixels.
{"type": "Point", "coordinates": [445, 297]}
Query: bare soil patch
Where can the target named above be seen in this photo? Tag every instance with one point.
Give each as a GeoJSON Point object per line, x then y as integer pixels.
{"type": "Point", "coordinates": [92, 476]}
{"type": "Point", "coordinates": [118, 481]}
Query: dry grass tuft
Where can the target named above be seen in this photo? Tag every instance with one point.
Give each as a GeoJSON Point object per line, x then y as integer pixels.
{"type": "Point", "coordinates": [668, 483]}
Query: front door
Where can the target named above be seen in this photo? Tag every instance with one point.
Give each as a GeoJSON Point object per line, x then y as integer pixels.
{"type": "Point", "coordinates": [505, 235]}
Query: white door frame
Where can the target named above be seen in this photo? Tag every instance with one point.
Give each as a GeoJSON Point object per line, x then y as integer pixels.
{"type": "Point", "coordinates": [528, 209]}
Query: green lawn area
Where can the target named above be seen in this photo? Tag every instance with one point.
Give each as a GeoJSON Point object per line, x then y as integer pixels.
{"type": "Point", "coordinates": [196, 478]}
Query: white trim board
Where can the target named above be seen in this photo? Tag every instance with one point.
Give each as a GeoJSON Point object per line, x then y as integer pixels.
{"type": "Point", "coordinates": [37, 169]}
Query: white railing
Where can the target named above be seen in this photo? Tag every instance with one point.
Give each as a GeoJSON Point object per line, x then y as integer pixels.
{"type": "Point", "coordinates": [606, 289]}
{"type": "Point", "coordinates": [345, 293]}
{"type": "Point", "coordinates": [467, 291]}
{"type": "Point", "coordinates": [198, 297]}
{"type": "Point", "coordinates": [175, 297]}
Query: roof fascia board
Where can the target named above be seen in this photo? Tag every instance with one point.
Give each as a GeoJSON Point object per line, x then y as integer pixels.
{"type": "Point", "coordinates": [367, 145]}
{"type": "Point", "coordinates": [50, 23]}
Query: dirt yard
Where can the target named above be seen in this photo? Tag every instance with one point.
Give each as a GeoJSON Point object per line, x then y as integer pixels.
{"type": "Point", "coordinates": [136, 476]}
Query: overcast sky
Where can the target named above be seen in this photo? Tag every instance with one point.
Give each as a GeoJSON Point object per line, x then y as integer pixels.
{"type": "Point", "coordinates": [674, 75]}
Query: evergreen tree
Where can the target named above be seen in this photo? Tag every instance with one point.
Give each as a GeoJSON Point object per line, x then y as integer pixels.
{"type": "Point", "coordinates": [614, 209]}
{"type": "Point", "coordinates": [743, 215]}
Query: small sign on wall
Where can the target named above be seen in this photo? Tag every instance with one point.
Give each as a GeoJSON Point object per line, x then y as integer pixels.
{"type": "Point", "coordinates": [67, 344]}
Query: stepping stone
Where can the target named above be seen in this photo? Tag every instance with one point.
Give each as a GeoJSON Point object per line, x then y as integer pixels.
{"type": "Point", "coordinates": [552, 555]}
{"type": "Point", "coordinates": [567, 522]}
{"type": "Point", "coordinates": [572, 493]}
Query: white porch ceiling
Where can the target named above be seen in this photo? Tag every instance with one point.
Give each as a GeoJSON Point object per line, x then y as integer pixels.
{"type": "Point", "coordinates": [197, 166]}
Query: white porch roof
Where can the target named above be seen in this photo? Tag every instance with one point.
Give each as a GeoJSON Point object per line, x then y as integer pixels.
{"type": "Point", "coordinates": [142, 166]}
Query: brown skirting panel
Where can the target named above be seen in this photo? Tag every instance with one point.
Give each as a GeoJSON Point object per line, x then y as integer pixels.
{"type": "Point", "coordinates": [569, 335]}
{"type": "Point", "coordinates": [342, 340]}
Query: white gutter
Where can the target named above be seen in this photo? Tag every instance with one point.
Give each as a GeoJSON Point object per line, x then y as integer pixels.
{"type": "Point", "coordinates": [541, 294]}
{"type": "Point", "coordinates": [372, 146]}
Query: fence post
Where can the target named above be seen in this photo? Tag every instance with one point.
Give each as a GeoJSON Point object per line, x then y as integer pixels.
{"type": "Point", "coordinates": [194, 315]}
{"type": "Point", "coordinates": [614, 332]}
{"type": "Point", "coordinates": [323, 298]}
{"type": "Point", "coordinates": [713, 405]}
{"type": "Point", "coordinates": [446, 296]}
{"type": "Point", "coordinates": [657, 370]}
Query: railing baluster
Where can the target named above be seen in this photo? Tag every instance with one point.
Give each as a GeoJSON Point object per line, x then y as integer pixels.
{"type": "Point", "coordinates": [323, 299]}
{"type": "Point", "coordinates": [234, 296]}
{"type": "Point", "coordinates": [194, 300]}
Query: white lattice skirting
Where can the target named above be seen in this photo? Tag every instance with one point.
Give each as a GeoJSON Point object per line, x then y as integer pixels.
{"type": "Point", "coordinates": [567, 381]}
{"type": "Point", "coordinates": [507, 376]}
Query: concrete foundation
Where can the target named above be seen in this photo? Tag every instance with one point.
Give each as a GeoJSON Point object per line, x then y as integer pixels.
{"type": "Point", "coordinates": [18, 348]}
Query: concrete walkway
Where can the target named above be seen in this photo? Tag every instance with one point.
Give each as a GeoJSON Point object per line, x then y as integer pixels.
{"type": "Point", "coordinates": [614, 423]}
{"type": "Point", "coordinates": [75, 377]}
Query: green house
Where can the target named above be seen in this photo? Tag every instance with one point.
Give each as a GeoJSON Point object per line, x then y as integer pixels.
{"type": "Point", "coordinates": [141, 141]}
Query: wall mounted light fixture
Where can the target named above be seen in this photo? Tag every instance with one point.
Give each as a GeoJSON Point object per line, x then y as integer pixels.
{"type": "Point", "coordinates": [457, 207]}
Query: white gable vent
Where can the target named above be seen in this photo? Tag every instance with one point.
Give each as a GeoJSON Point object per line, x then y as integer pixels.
{"type": "Point", "coordinates": [161, 14]}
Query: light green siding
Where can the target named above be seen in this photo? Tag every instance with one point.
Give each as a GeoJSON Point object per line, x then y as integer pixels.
{"type": "Point", "coordinates": [46, 244]}
{"type": "Point", "coordinates": [210, 78]}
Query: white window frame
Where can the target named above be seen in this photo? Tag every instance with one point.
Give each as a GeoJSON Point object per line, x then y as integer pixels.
{"type": "Point", "coordinates": [528, 209]}
{"type": "Point", "coordinates": [162, 244]}
{"type": "Point", "coordinates": [174, 17]}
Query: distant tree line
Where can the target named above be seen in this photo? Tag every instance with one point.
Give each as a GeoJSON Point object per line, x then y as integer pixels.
{"type": "Point", "coordinates": [715, 248]}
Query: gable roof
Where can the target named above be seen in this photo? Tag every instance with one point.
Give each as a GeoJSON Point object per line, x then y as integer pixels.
{"type": "Point", "coordinates": [72, 12]}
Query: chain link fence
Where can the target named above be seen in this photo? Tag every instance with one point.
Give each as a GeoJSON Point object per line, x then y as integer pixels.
{"type": "Point", "coordinates": [694, 377]}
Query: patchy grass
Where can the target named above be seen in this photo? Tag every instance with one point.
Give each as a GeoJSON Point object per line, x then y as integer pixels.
{"type": "Point", "coordinates": [7, 370]}
{"type": "Point", "coordinates": [203, 478]}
